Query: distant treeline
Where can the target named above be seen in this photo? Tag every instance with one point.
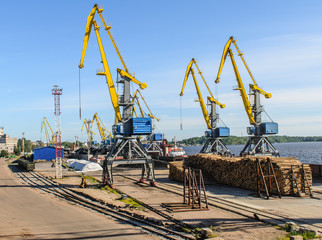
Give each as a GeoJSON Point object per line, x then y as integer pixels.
{"type": "Point", "coordinates": [234, 140]}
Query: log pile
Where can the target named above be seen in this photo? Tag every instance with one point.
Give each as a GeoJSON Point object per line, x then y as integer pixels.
{"type": "Point", "coordinates": [242, 171]}
{"type": "Point", "coordinates": [176, 171]}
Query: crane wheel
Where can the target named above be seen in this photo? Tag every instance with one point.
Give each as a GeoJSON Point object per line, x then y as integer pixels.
{"type": "Point", "coordinates": [153, 183]}
{"type": "Point", "coordinates": [142, 180]}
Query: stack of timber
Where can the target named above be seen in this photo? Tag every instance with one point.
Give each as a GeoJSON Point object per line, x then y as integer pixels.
{"type": "Point", "coordinates": [242, 171]}
{"type": "Point", "coordinates": [316, 170]}
{"type": "Point", "coordinates": [176, 171]}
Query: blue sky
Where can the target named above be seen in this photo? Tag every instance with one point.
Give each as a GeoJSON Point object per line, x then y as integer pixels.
{"type": "Point", "coordinates": [41, 44]}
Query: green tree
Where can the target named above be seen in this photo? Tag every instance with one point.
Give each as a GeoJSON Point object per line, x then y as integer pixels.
{"type": "Point", "coordinates": [4, 153]}
{"type": "Point", "coordinates": [37, 145]}
{"type": "Point", "coordinates": [16, 151]}
{"type": "Point", "coordinates": [27, 144]}
{"type": "Point", "coordinates": [67, 144]}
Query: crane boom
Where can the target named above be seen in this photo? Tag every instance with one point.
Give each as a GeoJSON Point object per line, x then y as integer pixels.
{"type": "Point", "coordinates": [44, 124]}
{"type": "Point", "coordinates": [89, 131]}
{"type": "Point", "coordinates": [106, 73]}
{"type": "Point", "coordinates": [133, 79]}
{"type": "Point", "coordinates": [135, 98]}
{"type": "Point", "coordinates": [241, 88]}
{"type": "Point", "coordinates": [107, 28]}
{"type": "Point", "coordinates": [101, 128]}
{"type": "Point", "coordinates": [150, 113]}
{"type": "Point", "coordinates": [88, 29]}
{"type": "Point", "coordinates": [186, 76]}
{"type": "Point", "coordinates": [200, 98]}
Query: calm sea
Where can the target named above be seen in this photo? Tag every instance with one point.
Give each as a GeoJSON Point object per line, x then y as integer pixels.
{"type": "Point", "coordinates": [306, 152]}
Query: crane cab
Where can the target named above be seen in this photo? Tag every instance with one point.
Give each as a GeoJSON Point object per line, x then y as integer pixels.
{"type": "Point", "coordinates": [266, 128]}
{"type": "Point", "coordinates": [218, 132]}
{"type": "Point", "coordinates": [134, 126]}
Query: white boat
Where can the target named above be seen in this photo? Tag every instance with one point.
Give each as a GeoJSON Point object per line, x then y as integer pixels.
{"type": "Point", "coordinates": [175, 151]}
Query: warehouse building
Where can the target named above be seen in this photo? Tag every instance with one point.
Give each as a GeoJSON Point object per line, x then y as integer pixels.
{"type": "Point", "coordinates": [7, 143]}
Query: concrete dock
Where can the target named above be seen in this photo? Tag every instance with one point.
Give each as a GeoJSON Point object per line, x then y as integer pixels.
{"type": "Point", "coordinates": [231, 225]}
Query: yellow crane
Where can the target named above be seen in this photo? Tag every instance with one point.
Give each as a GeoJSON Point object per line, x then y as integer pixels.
{"type": "Point", "coordinates": [254, 87]}
{"type": "Point", "coordinates": [104, 133]}
{"type": "Point", "coordinates": [213, 144]}
{"type": "Point", "coordinates": [90, 133]}
{"type": "Point", "coordinates": [109, 80]}
{"type": "Point", "coordinates": [90, 21]}
{"type": "Point", "coordinates": [210, 98]}
{"type": "Point", "coordinates": [135, 99]}
{"type": "Point", "coordinates": [258, 144]}
{"type": "Point", "coordinates": [126, 147]}
{"type": "Point", "coordinates": [44, 124]}
{"type": "Point", "coordinates": [154, 139]}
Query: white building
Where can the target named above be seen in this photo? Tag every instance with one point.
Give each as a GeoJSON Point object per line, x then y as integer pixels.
{"type": "Point", "coordinates": [7, 143]}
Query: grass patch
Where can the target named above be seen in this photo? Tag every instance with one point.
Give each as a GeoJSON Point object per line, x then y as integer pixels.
{"type": "Point", "coordinates": [214, 229]}
{"type": "Point", "coordinates": [186, 230]}
{"type": "Point", "coordinates": [308, 235]}
{"type": "Point", "coordinates": [132, 203]}
{"type": "Point", "coordinates": [203, 234]}
{"type": "Point", "coordinates": [65, 166]}
{"type": "Point", "coordinates": [108, 189]}
{"type": "Point", "coordinates": [128, 200]}
{"type": "Point", "coordinates": [91, 179]}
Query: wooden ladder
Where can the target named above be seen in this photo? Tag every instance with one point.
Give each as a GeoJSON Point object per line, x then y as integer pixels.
{"type": "Point", "coordinates": [267, 185]}
{"type": "Point", "coordinates": [294, 183]}
{"type": "Point", "coordinates": [194, 191]}
{"type": "Point", "coordinates": [306, 184]}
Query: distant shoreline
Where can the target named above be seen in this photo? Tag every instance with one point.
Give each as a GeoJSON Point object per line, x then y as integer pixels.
{"type": "Point", "coordinates": [234, 140]}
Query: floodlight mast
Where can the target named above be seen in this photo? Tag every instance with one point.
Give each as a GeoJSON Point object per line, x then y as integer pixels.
{"type": "Point", "coordinates": [57, 92]}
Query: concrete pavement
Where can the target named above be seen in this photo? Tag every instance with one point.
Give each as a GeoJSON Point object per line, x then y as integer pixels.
{"type": "Point", "coordinates": [28, 213]}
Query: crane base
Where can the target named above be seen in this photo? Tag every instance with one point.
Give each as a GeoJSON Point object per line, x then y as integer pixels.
{"type": "Point", "coordinates": [154, 149]}
{"type": "Point", "coordinates": [215, 146]}
{"type": "Point", "coordinates": [126, 151]}
{"type": "Point", "coordinates": [259, 146]}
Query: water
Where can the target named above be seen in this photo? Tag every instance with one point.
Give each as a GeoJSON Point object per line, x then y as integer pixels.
{"type": "Point", "coordinates": [306, 152]}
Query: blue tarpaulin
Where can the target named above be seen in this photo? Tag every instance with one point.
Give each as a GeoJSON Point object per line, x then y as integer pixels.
{"type": "Point", "coordinates": [46, 153]}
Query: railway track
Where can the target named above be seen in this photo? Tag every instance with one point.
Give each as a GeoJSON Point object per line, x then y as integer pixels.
{"type": "Point", "coordinates": [266, 216]}
{"type": "Point", "coordinates": [38, 181]}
